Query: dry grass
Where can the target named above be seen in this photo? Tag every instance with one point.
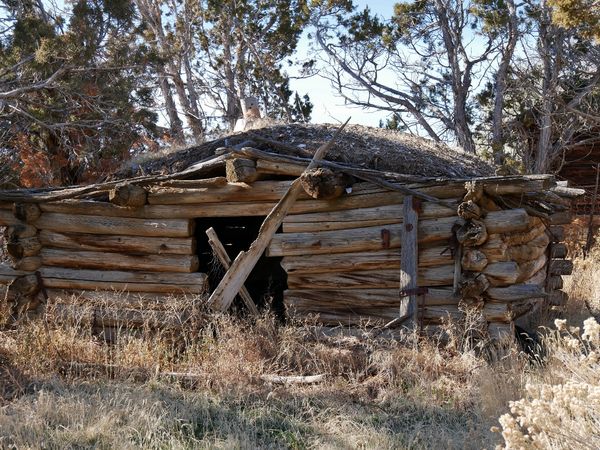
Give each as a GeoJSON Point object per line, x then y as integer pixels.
{"type": "Point", "coordinates": [61, 386]}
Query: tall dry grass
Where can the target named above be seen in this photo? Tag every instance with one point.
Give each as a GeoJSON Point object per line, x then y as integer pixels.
{"type": "Point", "coordinates": [63, 386]}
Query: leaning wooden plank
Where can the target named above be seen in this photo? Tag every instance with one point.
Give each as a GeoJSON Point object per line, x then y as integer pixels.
{"type": "Point", "coordinates": [99, 260]}
{"type": "Point", "coordinates": [123, 244]}
{"type": "Point", "coordinates": [349, 262]}
{"type": "Point", "coordinates": [116, 225]}
{"type": "Point", "coordinates": [225, 261]}
{"type": "Point", "coordinates": [376, 279]}
{"type": "Point", "coordinates": [409, 261]}
{"type": "Point", "coordinates": [237, 274]}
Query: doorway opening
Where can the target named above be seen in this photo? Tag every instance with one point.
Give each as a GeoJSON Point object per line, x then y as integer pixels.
{"type": "Point", "coordinates": [268, 279]}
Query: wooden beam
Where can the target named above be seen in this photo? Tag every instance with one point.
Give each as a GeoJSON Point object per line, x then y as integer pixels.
{"type": "Point", "coordinates": [116, 225]}
{"type": "Point", "coordinates": [132, 245]}
{"type": "Point", "coordinates": [102, 261]}
{"type": "Point", "coordinates": [367, 260]}
{"type": "Point", "coordinates": [409, 260]}
{"type": "Point", "coordinates": [237, 274]}
{"type": "Point", "coordinates": [225, 261]}
{"type": "Point", "coordinates": [376, 279]}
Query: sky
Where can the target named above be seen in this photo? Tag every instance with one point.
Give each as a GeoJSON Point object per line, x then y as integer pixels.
{"type": "Point", "coordinates": [327, 107]}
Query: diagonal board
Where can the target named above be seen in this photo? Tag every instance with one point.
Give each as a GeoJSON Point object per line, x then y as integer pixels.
{"type": "Point", "coordinates": [236, 276]}
{"type": "Point", "coordinates": [223, 257]}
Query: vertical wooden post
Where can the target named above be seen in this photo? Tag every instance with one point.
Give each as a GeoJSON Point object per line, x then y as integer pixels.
{"type": "Point", "coordinates": [590, 234]}
{"type": "Point", "coordinates": [409, 262]}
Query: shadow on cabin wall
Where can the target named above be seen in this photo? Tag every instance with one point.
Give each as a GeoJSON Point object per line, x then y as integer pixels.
{"type": "Point", "coordinates": [266, 282]}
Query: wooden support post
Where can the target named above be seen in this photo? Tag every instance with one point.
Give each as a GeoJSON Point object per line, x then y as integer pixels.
{"type": "Point", "coordinates": [225, 261]}
{"type": "Point", "coordinates": [237, 274]}
{"type": "Point", "coordinates": [409, 260]}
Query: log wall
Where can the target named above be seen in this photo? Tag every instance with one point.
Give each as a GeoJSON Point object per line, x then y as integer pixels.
{"type": "Point", "coordinates": [481, 251]}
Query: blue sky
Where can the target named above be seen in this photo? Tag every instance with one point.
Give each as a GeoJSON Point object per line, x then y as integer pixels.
{"type": "Point", "coordinates": [327, 107]}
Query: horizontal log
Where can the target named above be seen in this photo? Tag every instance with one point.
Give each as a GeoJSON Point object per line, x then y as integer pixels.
{"type": "Point", "coordinates": [520, 186]}
{"type": "Point", "coordinates": [554, 282]}
{"type": "Point", "coordinates": [568, 192]}
{"type": "Point", "coordinates": [371, 298]}
{"type": "Point", "coordinates": [299, 305]}
{"type": "Point", "coordinates": [279, 168]}
{"type": "Point", "coordinates": [20, 231]}
{"type": "Point", "coordinates": [557, 233]}
{"type": "Point", "coordinates": [360, 198]}
{"type": "Point", "coordinates": [539, 278]}
{"type": "Point", "coordinates": [126, 244]}
{"type": "Point", "coordinates": [8, 274]}
{"type": "Point", "coordinates": [128, 195]}
{"type": "Point", "coordinates": [93, 285]}
{"type": "Point", "coordinates": [525, 236]}
{"type": "Point", "coordinates": [99, 260]}
{"type": "Point", "coordinates": [558, 250]}
{"type": "Point", "coordinates": [349, 262]}
{"type": "Point", "coordinates": [259, 191]}
{"type": "Point", "coordinates": [377, 279]}
{"type": "Point", "coordinates": [516, 292]}
{"type": "Point", "coordinates": [502, 273]}
{"type": "Point", "coordinates": [357, 239]}
{"type": "Point", "coordinates": [357, 218]}
{"type": "Point", "coordinates": [27, 212]}
{"type": "Point", "coordinates": [561, 218]}
{"type": "Point", "coordinates": [28, 264]}
{"type": "Point", "coordinates": [23, 248]}
{"type": "Point", "coordinates": [240, 170]}
{"type": "Point", "coordinates": [561, 267]}
{"type": "Point", "coordinates": [558, 298]}
{"type": "Point", "coordinates": [508, 220]}
{"type": "Point", "coordinates": [310, 227]}
{"type": "Point", "coordinates": [529, 251]}
{"type": "Point", "coordinates": [192, 184]}
{"type": "Point", "coordinates": [8, 218]}
{"type": "Point", "coordinates": [116, 225]}
{"type": "Point", "coordinates": [530, 268]}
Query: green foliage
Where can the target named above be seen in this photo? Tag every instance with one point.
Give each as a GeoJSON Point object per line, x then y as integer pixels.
{"type": "Point", "coordinates": [89, 119]}
{"type": "Point", "coordinates": [583, 14]}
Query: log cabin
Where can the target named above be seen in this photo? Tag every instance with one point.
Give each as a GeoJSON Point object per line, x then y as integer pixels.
{"type": "Point", "coordinates": [417, 234]}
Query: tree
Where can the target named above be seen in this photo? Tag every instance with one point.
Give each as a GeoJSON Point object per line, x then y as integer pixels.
{"type": "Point", "coordinates": [73, 95]}
{"type": "Point", "coordinates": [428, 47]}
{"type": "Point", "coordinates": [242, 48]}
{"type": "Point", "coordinates": [553, 92]}
{"type": "Point", "coordinates": [582, 14]}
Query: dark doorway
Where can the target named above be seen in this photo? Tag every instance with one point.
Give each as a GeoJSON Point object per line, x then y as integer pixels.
{"type": "Point", "coordinates": [266, 282]}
